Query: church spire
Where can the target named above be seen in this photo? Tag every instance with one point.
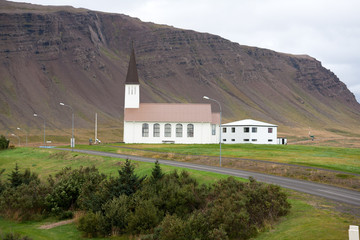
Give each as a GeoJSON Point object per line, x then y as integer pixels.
{"type": "Point", "coordinates": [132, 74]}
{"type": "Point", "coordinates": [132, 85]}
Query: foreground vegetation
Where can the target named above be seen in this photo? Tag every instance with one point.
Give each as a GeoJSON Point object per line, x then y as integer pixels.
{"type": "Point", "coordinates": [162, 206]}
{"type": "Point", "coordinates": [313, 223]}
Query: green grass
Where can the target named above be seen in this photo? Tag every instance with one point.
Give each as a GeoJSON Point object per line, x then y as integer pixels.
{"type": "Point", "coordinates": [304, 221]}
{"type": "Point", "coordinates": [335, 158]}
{"type": "Point", "coordinates": [308, 222]}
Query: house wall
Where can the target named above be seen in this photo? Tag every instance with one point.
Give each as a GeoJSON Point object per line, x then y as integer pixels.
{"type": "Point", "coordinates": [261, 136]}
{"type": "Point", "coordinates": [202, 133]}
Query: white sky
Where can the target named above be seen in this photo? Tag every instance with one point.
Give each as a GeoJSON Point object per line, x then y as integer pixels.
{"type": "Point", "coordinates": [328, 30]}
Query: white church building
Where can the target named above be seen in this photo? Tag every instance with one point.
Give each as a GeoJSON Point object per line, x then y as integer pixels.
{"type": "Point", "coordinates": [165, 122]}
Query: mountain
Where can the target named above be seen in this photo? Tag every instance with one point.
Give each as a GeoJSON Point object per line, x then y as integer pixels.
{"type": "Point", "coordinates": [80, 57]}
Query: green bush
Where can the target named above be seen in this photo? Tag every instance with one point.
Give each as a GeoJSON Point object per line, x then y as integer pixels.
{"type": "Point", "coordinates": [265, 203]}
{"type": "Point", "coordinates": [91, 224]}
{"type": "Point", "coordinates": [172, 228]}
{"type": "Point", "coordinates": [145, 217]}
{"type": "Point", "coordinates": [4, 143]}
{"type": "Point", "coordinates": [16, 178]}
{"type": "Point", "coordinates": [116, 214]}
{"type": "Point", "coordinates": [68, 185]}
{"type": "Point", "coordinates": [25, 202]}
{"type": "Point", "coordinates": [14, 236]}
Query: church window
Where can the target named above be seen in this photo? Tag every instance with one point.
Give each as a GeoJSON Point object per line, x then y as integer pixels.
{"type": "Point", "coordinates": [190, 130]}
{"type": "Point", "coordinates": [168, 130]}
{"type": "Point", "coordinates": [213, 129]}
{"type": "Point", "coordinates": [179, 130]}
{"type": "Point", "coordinates": [156, 130]}
{"type": "Point", "coordinates": [145, 130]}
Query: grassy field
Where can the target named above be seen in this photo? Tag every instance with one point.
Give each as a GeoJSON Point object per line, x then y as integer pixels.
{"type": "Point", "coordinates": [310, 217]}
{"type": "Point", "coordinates": [335, 158]}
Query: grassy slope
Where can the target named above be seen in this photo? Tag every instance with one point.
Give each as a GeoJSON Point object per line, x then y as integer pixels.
{"type": "Point", "coordinates": [311, 222]}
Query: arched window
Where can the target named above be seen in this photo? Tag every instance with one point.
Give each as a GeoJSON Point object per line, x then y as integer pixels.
{"type": "Point", "coordinates": [145, 130]}
{"type": "Point", "coordinates": [156, 130]}
{"type": "Point", "coordinates": [168, 130]}
{"type": "Point", "coordinates": [190, 130]}
{"type": "Point", "coordinates": [179, 130]}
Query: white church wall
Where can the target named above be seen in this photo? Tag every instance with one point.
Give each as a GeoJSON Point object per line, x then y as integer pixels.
{"type": "Point", "coordinates": [202, 133]}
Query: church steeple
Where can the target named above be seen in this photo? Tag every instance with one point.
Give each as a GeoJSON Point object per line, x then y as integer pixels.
{"type": "Point", "coordinates": [132, 74]}
{"type": "Point", "coordinates": [132, 84]}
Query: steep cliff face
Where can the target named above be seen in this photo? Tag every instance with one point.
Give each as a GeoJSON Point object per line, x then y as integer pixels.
{"type": "Point", "coordinates": [57, 54]}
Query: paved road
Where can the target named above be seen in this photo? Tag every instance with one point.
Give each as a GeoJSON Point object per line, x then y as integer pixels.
{"type": "Point", "coordinates": [330, 192]}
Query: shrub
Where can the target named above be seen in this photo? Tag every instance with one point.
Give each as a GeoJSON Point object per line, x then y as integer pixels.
{"type": "Point", "coordinates": [66, 215]}
{"type": "Point", "coordinates": [68, 185]}
{"type": "Point", "coordinates": [2, 184]}
{"type": "Point", "coordinates": [172, 228]}
{"type": "Point", "coordinates": [180, 194]}
{"type": "Point", "coordinates": [91, 224]}
{"type": "Point", "coordinates": [4, 143]}
{"type": "Point", "coordinates": [265, 202]}
{"type": "Point", "coordinates": [24, 202]}
{"type": "Point", "coordinates": [116, 214]}
{"type": "Point", "coordinates": [14, 236]}
{"type": "Point", "coordinates": [145, 217]}
{"type": "Point", "coordinates": [16, 178]}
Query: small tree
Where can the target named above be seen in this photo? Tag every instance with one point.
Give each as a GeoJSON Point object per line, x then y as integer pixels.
{"type": "Point", "coordinates": [156, 173]}
{"type": "Point", "coordinates": [128, 182]}
{"type": "Point", "coordinates": [4, 143]}
{"type": "Point", "coordinates": [15, 177]}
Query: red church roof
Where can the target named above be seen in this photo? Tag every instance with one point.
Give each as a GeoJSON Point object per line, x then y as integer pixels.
{"type": "Point", "coordinates": [171, 112]}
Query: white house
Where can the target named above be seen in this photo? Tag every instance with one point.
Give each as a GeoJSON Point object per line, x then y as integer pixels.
{"type": "Point", "coordinates": [165, 122]}
{"type": "Point", "coordinates": [249, 131]}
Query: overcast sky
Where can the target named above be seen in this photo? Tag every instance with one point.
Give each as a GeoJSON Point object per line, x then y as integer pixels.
{"type": "Point", "coordinates": [328, 30]}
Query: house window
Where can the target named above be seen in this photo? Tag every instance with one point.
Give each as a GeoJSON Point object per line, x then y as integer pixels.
{"type": "Point", "coordinates": [254, 140]}
{"type": "Point", "coordinates": [190, 130]}
{"type": "Point", "coordinates": [168, 130]}
{"type": "Point", "coordinates": [270, 130]}
{"type": "Point", "coordinates": [213, 129]}
{"type": "Point", "coordinates": [246, 140]}
{"type": "Point", "coordinates": [156, 130]}
{"type": "Point", "coordinates": [233, 140]}
{"type": "Point", "coordinates": [232, 129]}
{"type": "Point", "coordinates": [224, 140]}
{"type": "Point", "coordinates": [254, 129]}
{"type": "Point", "coordinates": [270, 140]}
{"type": "Point", "coordinates": [246, 129]}
{"type": "Point", "coordinates": [179, 130]}
{"type": "Point", "coordinates": [145, 130]}
{"type": "Point", "coordinates": [224, 130]}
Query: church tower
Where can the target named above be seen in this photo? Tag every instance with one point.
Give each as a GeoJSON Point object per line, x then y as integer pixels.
{"type": "Point", "coordinates": [132, 84]}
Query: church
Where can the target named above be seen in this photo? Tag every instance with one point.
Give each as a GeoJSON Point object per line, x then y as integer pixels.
{"type": "Point", "coordinates": [184, 123]}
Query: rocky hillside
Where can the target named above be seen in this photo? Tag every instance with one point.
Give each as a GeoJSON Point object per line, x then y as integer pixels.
{"type": "Point", "coordinates": [62, 54]}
